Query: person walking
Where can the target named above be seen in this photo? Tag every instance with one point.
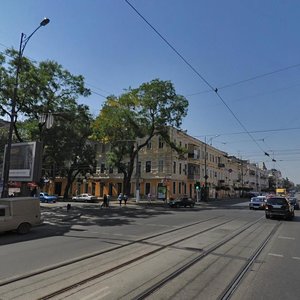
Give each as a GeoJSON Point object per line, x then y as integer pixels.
{"type": "Point", "coordinates": [108, 199]}
{"type": "Point", "coordinates": [125, 199]}
{"type": "Point", "coordinates": [104, 203]}
{"type": "Point", "coordinates": [120, 198]}
{"type": "Point", "coordinates": [149, 198]}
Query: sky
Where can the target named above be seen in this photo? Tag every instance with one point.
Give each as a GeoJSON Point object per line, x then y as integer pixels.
{"type": "Point", "coordinates": [247, 50]}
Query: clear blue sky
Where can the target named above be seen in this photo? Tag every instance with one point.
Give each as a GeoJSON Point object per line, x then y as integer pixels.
{"type": "Point", "coordinates": [225, 41]}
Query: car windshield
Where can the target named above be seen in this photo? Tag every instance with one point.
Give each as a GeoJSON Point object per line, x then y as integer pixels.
{"type": "Point", "coordinates": [276, 201]}
{"type": "Point", "coordinates": [257, 199]}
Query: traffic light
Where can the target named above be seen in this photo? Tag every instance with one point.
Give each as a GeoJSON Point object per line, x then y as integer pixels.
{"type": "Point", "coordinates": [197, 185]}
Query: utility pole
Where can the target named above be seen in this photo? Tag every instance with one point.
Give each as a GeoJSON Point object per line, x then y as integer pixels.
{"type": "Point", "coordinates": [137, 189]}
{"type": "Point", "coordinates": [205, 171]}
{"type": "Point", "coordinates": [13, 114]}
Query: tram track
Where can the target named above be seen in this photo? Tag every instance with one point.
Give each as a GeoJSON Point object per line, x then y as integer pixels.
{"type": "Point", "coordinates": [98, 253]}
{"type": "Point", "coordinates": [171, 276]}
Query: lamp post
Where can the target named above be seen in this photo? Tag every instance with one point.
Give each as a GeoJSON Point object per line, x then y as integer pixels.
{"type": "Point", "coordinates": [23, 42]}
{"type": "Point", "coordinates": [137, 189]}
{"type": "Point", "coordinates": [205, 165]}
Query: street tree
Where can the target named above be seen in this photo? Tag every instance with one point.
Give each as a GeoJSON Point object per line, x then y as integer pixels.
{"type": "Point", "coordinates": [44, 88]}
{"type": "Point", "coordinates": [287, 184]}
{"type": "Point", "coordinates": [128, 122]}
{"type": "Point", "coordinates": [47, 90]}
{"type": "Point", "coordinates": [67, 149]}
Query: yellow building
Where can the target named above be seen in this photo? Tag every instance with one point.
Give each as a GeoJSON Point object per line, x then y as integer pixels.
{"type": "Point", "coordinates": [165, 173]}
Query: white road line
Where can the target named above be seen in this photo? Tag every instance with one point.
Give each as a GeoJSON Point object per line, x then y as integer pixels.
{"type": "Point", "coordinates": [295, 257]}
{"type": "Point", "coordinates": [286, 238]}
{"type": "Point", "coordinates": [277, 255]}
{"type": "Point", "coordinates": [98, 294]}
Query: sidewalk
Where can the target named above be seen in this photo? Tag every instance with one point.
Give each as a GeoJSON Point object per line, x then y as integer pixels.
{"type": "Point", "coordinates": [60, 212]}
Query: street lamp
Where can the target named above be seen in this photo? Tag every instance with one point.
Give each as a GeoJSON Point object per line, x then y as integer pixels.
{"type": "Point", "coordinates": [205, 165]}
{"type": "Point", "coordinates": [23, 42]}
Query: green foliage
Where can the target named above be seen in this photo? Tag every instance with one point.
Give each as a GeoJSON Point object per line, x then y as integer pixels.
{"type": "Point", "coordinates": [143, 113]}
{"type": "Point", "coordinates": [47, 88]}
{"type": "Point", "coordinates": [43, 88]}
{"type": "Point", "coordinates": [287, 184]}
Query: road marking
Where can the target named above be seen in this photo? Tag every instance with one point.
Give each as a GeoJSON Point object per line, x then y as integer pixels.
{"type": "Point", "coordinates": [276, 255]}
{"type": "Point", "coordinates": [98, 294]}
{"type": "Point", "coordinates": [286, 238]}
{"type": "Point", "coordinates": [295, 257]}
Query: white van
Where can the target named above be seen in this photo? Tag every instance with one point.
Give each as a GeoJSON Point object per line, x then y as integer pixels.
{"type": "Point", "coordinates": [19, 214]}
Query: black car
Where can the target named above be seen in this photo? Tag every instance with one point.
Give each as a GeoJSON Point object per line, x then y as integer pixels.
{"type": "Point", "coordinates": [182, 202]}
{"type": "Point", "coordinates": [279, 207]}
{"type": "Point", "coordinates": [294, 202]}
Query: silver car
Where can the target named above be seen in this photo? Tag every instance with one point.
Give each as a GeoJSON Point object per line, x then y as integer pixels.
{"type": "Point", "coordinates": [85, 198]}
{"type": "Point", "coordinates": [258, 202]}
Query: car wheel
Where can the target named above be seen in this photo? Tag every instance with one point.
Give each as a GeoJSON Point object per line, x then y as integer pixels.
{"type": "Point", "coordinates": [24, 228]}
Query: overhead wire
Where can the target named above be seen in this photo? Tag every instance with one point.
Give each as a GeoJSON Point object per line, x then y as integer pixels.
{"type": "Point", "coordinates": [249, 79]}
{"type": "Point", "coordinates": [94, 92]}
{"type": "Point", "coordinates": [199, 75]}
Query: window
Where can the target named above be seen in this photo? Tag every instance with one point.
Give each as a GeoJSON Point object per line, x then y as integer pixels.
{"type": "Point", "coordinates": [180, 168]}
{"type": "Point", "coordinates": [174, 187]}
{"type": "Point", "coordinates": [149, 146]}
{"type": "Point", "coordinates": [103, 148]}
{"type": "Point", "coordinates": [102, 168]}
{"type": "Point", "coordinates": [160, 143]}
{"type": "Point", "coordinates": [160, 166]}
{"type": "Point", "coordinates": [147, 188]}
{"type": "Point", "coordinates": [179, 187]}
{"type": "Point", "coordinates": [2, 212]}
{"type": "Point", "coordinates": [111, 170]}
{"type": "Point", "coordinates": [174, 167]}
{"type": "Point", "coordinates": [148, 166]}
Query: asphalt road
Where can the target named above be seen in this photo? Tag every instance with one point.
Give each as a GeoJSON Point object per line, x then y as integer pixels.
{"type": "Point", "coordinates": [86, 229]}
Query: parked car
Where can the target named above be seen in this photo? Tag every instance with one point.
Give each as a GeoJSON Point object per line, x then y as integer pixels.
{"type": "Point", "coordinates": [45, 197]}
{"type": "Point", "coordinates": [85, 198]}
{"type": "Point", "coordinates": [294, 202]}
{"type": "Point", "coordinates": [182, 202]}
{"type": "Point", "coordinates": [258, 202]}
{"type": "Point", "coordinates": [279, 207]}
{"type": "Point", "coordinates": [20, 214]}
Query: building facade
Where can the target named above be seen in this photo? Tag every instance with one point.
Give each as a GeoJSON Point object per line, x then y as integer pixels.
{"type": "Point", "coordinates": [160, 166]}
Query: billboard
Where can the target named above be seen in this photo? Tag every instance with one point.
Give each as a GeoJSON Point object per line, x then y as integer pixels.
{"type": "Point", "coordinates": [25, 161]}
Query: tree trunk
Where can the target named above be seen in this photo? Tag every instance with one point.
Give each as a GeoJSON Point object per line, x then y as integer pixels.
{"type": "Point", "coordinates": [70, 179]}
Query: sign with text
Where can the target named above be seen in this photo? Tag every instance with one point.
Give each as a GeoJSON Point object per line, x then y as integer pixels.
{"type": "Point", "coordinates": [25, 161]}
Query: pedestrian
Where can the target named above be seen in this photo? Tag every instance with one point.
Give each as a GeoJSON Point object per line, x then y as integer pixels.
{"type": "Point", "coordinates": [33, 192]}
{"type": "Point", "coordinates": [125, 199]}
{"type": "Point", "coordinates": [149, 198]}
{"type": "Point", "coordinates": [108, 199]}
{"type": "Point", "coordinates": [120, 198]}
{"type": "Point", "coordinates": [104, 203]}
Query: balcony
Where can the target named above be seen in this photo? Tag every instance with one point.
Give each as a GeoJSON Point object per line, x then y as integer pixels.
{"type": "Point", "coordinates": [221, 165]}
{"type": "Point", "coordinates": [193, 155]}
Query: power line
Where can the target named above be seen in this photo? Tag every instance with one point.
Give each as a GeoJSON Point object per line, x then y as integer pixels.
{"type": "Point", "coordinates": [94, 92]}
{"type": "Point", "coordinates": [198, 74]}
{"type": "Point", "coordinates": [249, 79]}
{"type": "Point", "coordinates": [253, 131]}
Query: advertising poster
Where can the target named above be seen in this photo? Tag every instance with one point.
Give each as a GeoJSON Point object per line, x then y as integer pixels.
{"type": "Point", "coordinates": [162, 193]}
